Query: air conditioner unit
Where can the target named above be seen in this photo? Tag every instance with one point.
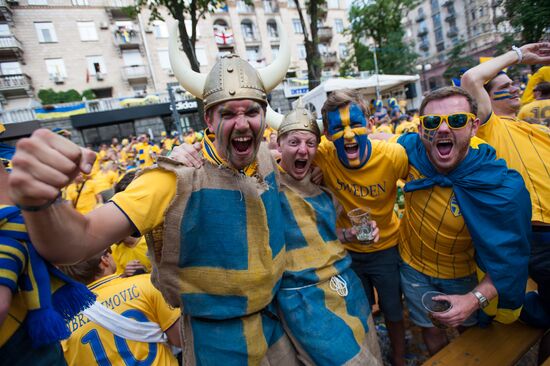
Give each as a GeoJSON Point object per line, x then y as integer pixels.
{"type": "Point", "coordinates": [58, 79]}
{"type": "Point", "coordinates": [99, 76]}
{"type": "Point", "coordinates": [148, 30]}
{"type": "Point", "coordinates": [170, 72]}
{"type": "Point", "coordinates": [103, 25]}
{"type": "Point", "coordinates": [140, 93]}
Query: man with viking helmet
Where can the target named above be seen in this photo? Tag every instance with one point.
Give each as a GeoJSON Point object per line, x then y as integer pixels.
{"type": "Point", "coordinates": [322, 302]}
{"type": "Point", "coordinates": [220, 251]}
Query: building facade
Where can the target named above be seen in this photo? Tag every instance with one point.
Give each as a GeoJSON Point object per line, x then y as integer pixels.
{"type": "Point", "coordinates": [434, 27]}
{"type": "Point", "coordinates": [98, 45]}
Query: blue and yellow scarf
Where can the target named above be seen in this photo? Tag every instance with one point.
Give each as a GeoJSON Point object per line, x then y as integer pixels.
{"type": "Point", "coordinates": [52, 298]}
{"type": "Point", "coordinates": [497, 211]}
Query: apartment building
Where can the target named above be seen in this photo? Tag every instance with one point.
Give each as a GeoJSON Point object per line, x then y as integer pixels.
{"type": "Point", "coordinates": [434, 27]}
{"type": "Point", "coordinates": [95, 44]}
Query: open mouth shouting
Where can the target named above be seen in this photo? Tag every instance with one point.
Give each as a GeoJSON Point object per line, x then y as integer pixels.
{"type": "Point", "coordinates": [242, 145]}
{"type": "Point", "coordinates": [352, 150]}
{"type": "Point", "coordinates": [444, 148]}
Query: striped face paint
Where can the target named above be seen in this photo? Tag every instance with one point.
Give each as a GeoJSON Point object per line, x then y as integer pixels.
{"type": "Point", "coordinates": [503, 94]}
{"type": "Point", "coordinates": [347, 127]}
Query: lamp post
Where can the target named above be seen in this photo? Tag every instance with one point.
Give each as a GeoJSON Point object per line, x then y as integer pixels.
{"type": "Point", "coordinates": [422, 68]}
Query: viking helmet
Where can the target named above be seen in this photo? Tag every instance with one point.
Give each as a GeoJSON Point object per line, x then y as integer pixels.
{"type": "Point", "coordinates": [300, 119]}
{"type": "Point", "coordinates": [231, 77]}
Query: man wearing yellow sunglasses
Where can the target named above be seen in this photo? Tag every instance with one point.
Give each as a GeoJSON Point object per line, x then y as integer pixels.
{"type": "Point", "coordinates": [463, 209]}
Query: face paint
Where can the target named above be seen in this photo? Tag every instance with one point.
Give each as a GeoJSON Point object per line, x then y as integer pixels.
{"type": "Point", "coordinates": [502, 94]}
{"type": "Point", "coordinates": [347, 127]}
{"type": "Point", "coordinates": [429, 134]}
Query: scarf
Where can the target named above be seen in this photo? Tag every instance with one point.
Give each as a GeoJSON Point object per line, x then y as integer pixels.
{"type": "Point", "coordinates": [37, 279]}
{"type": "Point", "coordinates": [497, 211]}
{"type": "Point", "coordinates": [209, 152]}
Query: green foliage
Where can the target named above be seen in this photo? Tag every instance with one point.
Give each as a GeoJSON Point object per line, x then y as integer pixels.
{"type": "Point", "coordinates": [49, 96]}
{"type": "Point", "coordinates": [381, 21]}
{"type": "Point", "coordinates": [530, 18]}
{"type": "Point", "coordinates": [457, 62]}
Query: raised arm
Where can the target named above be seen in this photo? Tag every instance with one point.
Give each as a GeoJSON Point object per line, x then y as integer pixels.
{"type": "Point", "coordinates": [474, 79]}
{"type": "Point", "coordinates": [42, 165]}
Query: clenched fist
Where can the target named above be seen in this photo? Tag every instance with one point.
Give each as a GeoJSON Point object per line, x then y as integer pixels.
{"type": "Point", "coordinates": [43, 164]}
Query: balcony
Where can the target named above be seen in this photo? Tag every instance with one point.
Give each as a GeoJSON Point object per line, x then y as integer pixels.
{"type": "Point", "coordinates": [251, 39]}
{"type": "Point", "coordinates": [420, 17]}
{"type": "Point", "coordinates": [329, 58]}
{"type": "Point", "coordinates": [453, 32]}
{"type": "Point", "coordinates": [422, 32]}
{"type": "Point", "coordinates": [10, 48]}
{"type": "Point", "coordinates": [324, 34]}
{"type": "Point", "coordinates": [5, 12]}
{"type": "Point", "coordinates": [270, 7]}
{"type": "Point", "coordinates": [448, 3]}
{"type": "Point", "coordinates": [125, 40]}
{"type": "Point", "coordinates": [135, 73]}
{"type": "Point", "coordinates": [15, 85]}
{"type": "Point", "coordinates": [116, 9]}
{"type": "Point", "coordinates": [424, 46]}
{"type": "Point", "coordinates": [450, 17]}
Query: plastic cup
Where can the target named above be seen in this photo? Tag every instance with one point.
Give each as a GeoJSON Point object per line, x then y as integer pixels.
{"type": "Point", "coordinates": [435, 306]}
{"type": "Point", "coordinates": [361, 222]}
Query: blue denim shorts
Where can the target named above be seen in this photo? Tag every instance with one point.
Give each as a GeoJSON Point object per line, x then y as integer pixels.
{"type": "Point", "coordinates": [415, 284]}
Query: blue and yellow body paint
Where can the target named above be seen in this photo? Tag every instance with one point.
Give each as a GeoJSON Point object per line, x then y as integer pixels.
{"type": "Point", "coordinates": [348, 124]}
{"type": "Point", "coordinates": [502, 95]}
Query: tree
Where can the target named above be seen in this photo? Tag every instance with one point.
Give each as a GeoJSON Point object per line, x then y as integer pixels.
{"type": "Point", "coordinates": [316, 9]}
{"type": "Point", "coordinates": [530, 18]}
{"type": "Point", "coordinates": [180, 9]}
{"type": "Point", "coordinates": [380, 20]}
{"type": "Point", "coordinates": [458, 62]}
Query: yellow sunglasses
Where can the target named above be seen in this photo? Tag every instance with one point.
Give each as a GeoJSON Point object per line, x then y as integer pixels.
{"type": "Point", "coordinates": [455, 121]}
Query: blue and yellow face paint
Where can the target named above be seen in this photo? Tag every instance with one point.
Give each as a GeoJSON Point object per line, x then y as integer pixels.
{"type": "Point", "coordinates": [503, 94]}
{"type": "Point", "coordinates": [349, 125]}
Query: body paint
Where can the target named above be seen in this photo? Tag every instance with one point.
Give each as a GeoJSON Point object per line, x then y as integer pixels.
{"type": "Point", "coordinates": [502, 94]}
{"type": "Point", "coordinates": [344, 127]}
{"type": "Point", "coordinates": [429, 134]}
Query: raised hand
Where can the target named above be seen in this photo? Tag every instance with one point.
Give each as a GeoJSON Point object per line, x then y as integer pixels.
{"type": "Point", "coordinates": [43, 164]}
{"type": "Point", "coordinates": [536, 53]}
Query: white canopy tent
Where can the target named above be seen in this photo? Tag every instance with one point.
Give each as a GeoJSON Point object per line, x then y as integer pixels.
{"type": "Point", "coordinates": [392, 84]}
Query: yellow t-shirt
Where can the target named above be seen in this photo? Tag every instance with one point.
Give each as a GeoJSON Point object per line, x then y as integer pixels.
{"type": "Point", "coordinates": [88, 198]}
{"type": "Point", "coordinates": [435, 241]}
{"type": "Point", "coordinates": [122, 254]}
{"type": "Point", "coordinates": [105, 180]}
{"type": "Point", "coordinates": [536, 112]}
{"type": "Point", "coordinates": [406, 127]}
{"type": "Point", "coordinates": [526, 148]}
{"type": "Point", "coordinates": [383, 129]}
{"type": "Point", "coordinates": [167, 144]}
{"type": "Point", "coordinates": [542, 75]}
{"type": "Point", "coordinates": [373, 186]}
{"type": "Point", "coordinates": [145, 154]}
{"type": "Point", "coordinates": [134, 297]}
{"type": "Point", "coordinates": [146, 199]}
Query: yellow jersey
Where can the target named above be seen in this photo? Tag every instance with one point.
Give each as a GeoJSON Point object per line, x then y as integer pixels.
{"type": "Point", "coordinates": [435, 241]}
{"type": "Point", "coordinates": [372, 186]}
{"type": "Point", "coordinates": [526, 148]}
{"type": "Point", "coordinates": [133, 297]}
{"type": "Point", "coordinates": [536, 112]}
{"type": "Point", "coordinates": [146, 198]}
{"type": "Point", "coordinates": [122, 254]}
{"type": "Point", "coordinates": [542, 75]}
{"type": "Point", "coordinates": [146, 154]}
{"type": "Point", "coordinates": [384, 129]}
{"type": "Point", "coordinates": [87, 200]}
{"type": "Point", "coordinates": [406, 127]}
{"type": "Point", "coordinates": [105, 180]}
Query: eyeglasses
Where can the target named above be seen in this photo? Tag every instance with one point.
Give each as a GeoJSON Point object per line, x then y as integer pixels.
{"type": "Point", "coordinates": [454, 121]}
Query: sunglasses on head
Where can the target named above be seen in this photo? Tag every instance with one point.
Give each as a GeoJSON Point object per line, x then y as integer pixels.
{"type": "Point", "coordinates": [454, 121]}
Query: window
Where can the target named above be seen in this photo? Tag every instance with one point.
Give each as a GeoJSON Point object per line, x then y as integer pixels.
{"type": "Point", "coordinates": [272, 29]}
{"type": "Point", "coordinates": [338, 25]}
{"type": "Point", "coordinates": [274, 52]}
{"type": "Point", "coordinates": [201, 55]}
{"type": "Point", "coordinates": [473, 14]}
{"type": "Point", "coordinates": [248, 30]}
{"type": "Point", "coordinates": [5, 30]}
{"type": "Point", "coordinates": [45, 32]}
{"type": "Point", "coordinates": [252, 54]}
{"type": "Point", "coordinates": [87, 31]}
{"type": "Point", "coordinates": [159, 29]}
{"type": "Point", "coordinates": [333, 4]}
{"type": "Point", "coordinates": [38, 2]}
{"type": "Point", "coordinates": [96, 65]}
{"type": "Point", "coordinates": [297, 26]}
{"type": "Point", "coordinates": [438, 35]}
{"type": "Point", "coordinates": [79, 2]}
{"type": "Point", "coordinates": [10, 68]}
{"type": "Point", "coordinates": [291, 4]}
{"type": "Point", "coordinates": [132, 58]}
{"type": "Point", "coordinates": [243, 7]}
{"type": "Point", "coordinates": [302, 52]}
{"type": "Point", "coordinates": [440, 47]}
{"type": "Point", "coordinates": [164, 60]}
{"type": "Point", "coordinates": [343, 50]}
{"type": "Point", "coordinates": [56, 68]}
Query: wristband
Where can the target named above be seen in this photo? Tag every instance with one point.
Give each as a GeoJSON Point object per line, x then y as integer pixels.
{"type": "Point", "coordinates": [41, 207]}
{"type": "Point", "coordinates": [519, 53]}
